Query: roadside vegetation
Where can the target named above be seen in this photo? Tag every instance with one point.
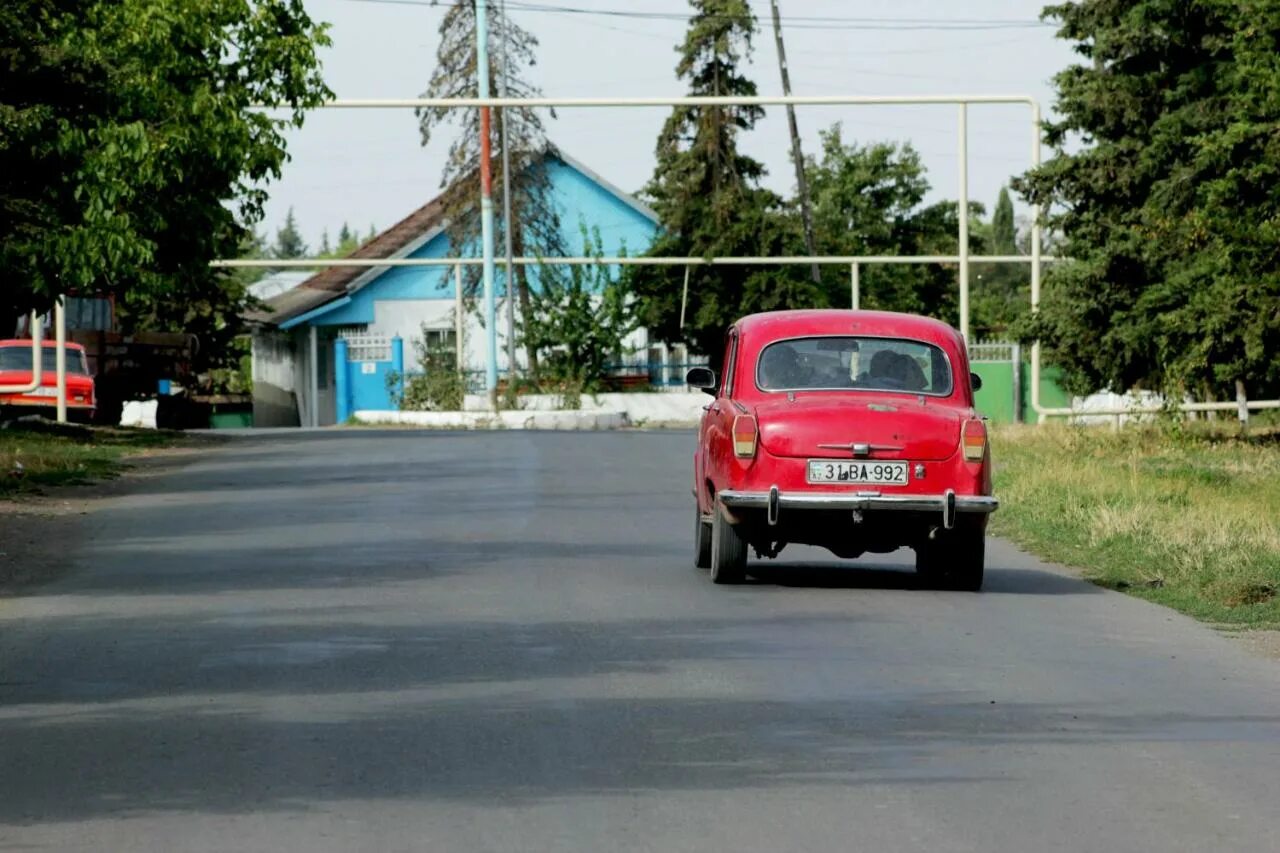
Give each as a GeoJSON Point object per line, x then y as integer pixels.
{"type": "Point", "coordinates": [1187, 516]}
{"type": "Point", "coordinates": [33, 460]}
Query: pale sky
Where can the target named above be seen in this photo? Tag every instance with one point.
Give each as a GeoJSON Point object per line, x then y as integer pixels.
{"type": "Point", "coordinates": [368, 167]}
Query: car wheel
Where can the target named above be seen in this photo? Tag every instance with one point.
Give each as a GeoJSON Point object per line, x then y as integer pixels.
{"type": "Point", "coordinates": [701, 540]}
{"type": "Point", "coordinates": [954, 560]}
{"type": "Point", "coordinates": [728, 552]}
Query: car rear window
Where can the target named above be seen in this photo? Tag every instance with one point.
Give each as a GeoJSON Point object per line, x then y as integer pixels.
{"type": "Point", "coordinates": [19, 358]}
{"type": "Point", "coordinates": [854, 363]}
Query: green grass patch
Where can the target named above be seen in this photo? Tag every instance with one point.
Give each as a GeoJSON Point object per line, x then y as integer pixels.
{"type": "Point", "coordinates": [1187, 516]}
{"type": "Point", "coordinates": [32, 460]}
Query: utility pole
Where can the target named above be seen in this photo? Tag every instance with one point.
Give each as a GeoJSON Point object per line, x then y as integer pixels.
{"type": "Point", "coordinates": [486, 204]}
{"type": "Point", "coordinates": [508, 225]}
{"type": "Point", "coordinates": [802, 185]}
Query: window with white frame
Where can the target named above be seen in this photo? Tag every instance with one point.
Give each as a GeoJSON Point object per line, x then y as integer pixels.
{"type": "Point", "coordinates": [440, 339]}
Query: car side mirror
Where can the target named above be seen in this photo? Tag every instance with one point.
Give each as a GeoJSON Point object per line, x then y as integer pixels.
{"type": "Point", "coordinates": [976, 381]}
{"type": "Point", "coordinates": [702, 378]}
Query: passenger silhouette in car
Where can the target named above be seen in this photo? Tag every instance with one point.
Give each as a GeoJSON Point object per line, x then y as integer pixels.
{"type": "Point", "coordinates": [780, 367]}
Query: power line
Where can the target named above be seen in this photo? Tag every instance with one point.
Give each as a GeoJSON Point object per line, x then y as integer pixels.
{"type": "Point", "coordinates": [812, 22]}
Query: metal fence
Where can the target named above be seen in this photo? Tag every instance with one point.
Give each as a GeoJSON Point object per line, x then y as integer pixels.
{"type": "Point", "coordinates": [367, 347]}
{"type": "Point", "coordinates": [994, 351]}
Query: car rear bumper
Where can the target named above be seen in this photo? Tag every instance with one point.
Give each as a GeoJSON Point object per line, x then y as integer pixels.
{"type": "Point", "coordinates": [776, 502]}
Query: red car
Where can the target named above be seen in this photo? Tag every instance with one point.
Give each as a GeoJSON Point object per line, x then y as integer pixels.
{"type": "Point", "coordinates": [851, 430]}
{"type": "Point", "coordinates": [15, 369]}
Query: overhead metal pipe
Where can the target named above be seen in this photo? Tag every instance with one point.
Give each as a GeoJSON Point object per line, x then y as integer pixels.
{"type": "Point", "coordinates": [486, 203]}
{"type": "Point", "coordinates": [685, 101]}
{"type": "Point", "coordinates": [60, 355]}
{"type": "Point", "coordinates": [671, 261]}
{"type": "Point", "coordinates": [508, 224]}
{"type": "Point", "coordinates": [963, 217]}
{"type": "Point", "coordinates": [37, 360]}
{"type": "Point", "coordinates": [1036, 405]}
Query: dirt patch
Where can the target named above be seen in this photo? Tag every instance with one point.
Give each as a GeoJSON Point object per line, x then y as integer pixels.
{"type": "Point", "coordinates": [38, 530]}
{"type": "Point", "coordinates": [34, 543]}
{"type": "Point", "coordinates": [1264, 643]}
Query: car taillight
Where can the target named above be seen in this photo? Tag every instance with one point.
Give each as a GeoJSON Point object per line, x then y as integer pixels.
{"type": "Point", "coordinates": [745, 434]}
{"type": "Point", "coordinates": [973, 439]}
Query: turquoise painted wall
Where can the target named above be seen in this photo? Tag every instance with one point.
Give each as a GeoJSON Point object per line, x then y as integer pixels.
{"type": "Point", "coordinates": [580, 199]}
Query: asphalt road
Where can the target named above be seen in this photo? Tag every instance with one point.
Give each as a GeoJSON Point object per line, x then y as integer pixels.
{"type": "Point", "coordinates": [359, 641]}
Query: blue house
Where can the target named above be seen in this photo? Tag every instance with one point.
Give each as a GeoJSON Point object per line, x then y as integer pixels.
{"type": "Point", "coordinates": [326, 345]}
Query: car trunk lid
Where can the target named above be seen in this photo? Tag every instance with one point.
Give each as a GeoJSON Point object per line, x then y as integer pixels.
{"type": "Point", "coordinates": [822, 426]}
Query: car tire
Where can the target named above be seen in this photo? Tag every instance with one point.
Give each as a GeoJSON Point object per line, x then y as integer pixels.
{"type": "Point", "coordinates": [728, 552]}
{"type": "Point", "coordinates": [701, 540]}
{"type": "Point", "coordinates": [954, 560]}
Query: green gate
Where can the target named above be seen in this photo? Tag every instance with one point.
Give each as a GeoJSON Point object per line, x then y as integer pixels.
{"type": "Point", "coordinates": [1005, 396]}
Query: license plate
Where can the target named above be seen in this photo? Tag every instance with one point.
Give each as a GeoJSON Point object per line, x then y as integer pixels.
{"type": "Point", "coordinates": [858, 471]}
{"type": "Point", "coordinates": [45, 391]}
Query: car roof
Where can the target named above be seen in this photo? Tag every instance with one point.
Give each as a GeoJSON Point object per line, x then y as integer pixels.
{"type": "Point", "coordinates": [772, 325]}
{"type": "Point", "coordinates": [18, 342]}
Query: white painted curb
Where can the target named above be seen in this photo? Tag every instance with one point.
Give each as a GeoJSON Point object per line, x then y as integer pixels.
{"type": "Point", "coordinates": [639, 408]}
{"type": "Point", "coordinates": [567, 420]}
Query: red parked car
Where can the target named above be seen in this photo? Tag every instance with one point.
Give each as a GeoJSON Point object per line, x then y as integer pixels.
{"type": "Point", "coordinates": [15, 369]}
{"type": "Point", "coordinates": [851, 430]}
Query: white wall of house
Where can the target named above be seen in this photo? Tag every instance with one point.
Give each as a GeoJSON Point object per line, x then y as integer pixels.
{"type": "Point", "coordinates": [407, 317]}
{"type": "Point", "coordinates": [275, 379]}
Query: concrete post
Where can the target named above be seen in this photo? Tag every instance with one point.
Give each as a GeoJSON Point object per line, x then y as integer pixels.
{"type": "Point", "coordinates": [341, 381]}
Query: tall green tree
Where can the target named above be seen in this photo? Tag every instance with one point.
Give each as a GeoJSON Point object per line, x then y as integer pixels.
{"type": "Point", "coordinates": [869, 200]}
{"type": "Point", "coordinates": [708, 196]}
{"type": "Point", "coordinates": [536, 227]}
{"type": "Point", "coordinates": [289, 242]}
{"type": "Point", "coordinates": [1170, 206]}
{"type": "Point", "coordinates": [132, 152]}
{"type": "Point", "coordinates": [1004, 235]}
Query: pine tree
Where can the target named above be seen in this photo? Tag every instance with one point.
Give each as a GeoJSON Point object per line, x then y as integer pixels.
{"type": "Point", "coordinates": [536, 227]}
{"type": "Point", "coordinates": [1003, 234]}
{"type": "Point", "coordinates": [289, 242]}
{"type": "Point", "coordinates": [325, 248]}
{"type": "Point", "coordinates": [348, 242]}
{"type": "Point", "coordinates": [708, 197]}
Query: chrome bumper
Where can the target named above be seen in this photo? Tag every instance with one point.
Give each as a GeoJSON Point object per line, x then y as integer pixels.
{"type": "Point", "coordinates": [774, 501]}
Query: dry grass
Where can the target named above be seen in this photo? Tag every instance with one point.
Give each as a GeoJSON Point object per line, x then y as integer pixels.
{"type": "Point", "coordinates": [1188, 516]}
